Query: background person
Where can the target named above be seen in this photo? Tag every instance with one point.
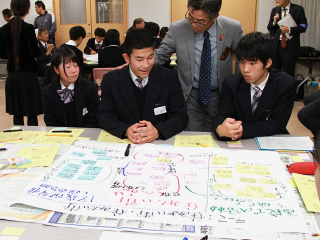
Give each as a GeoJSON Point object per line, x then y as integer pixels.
{"type": "Point", "coordinates": [7, 14]}
{"type": "Point", "coordinates": [94, 45]}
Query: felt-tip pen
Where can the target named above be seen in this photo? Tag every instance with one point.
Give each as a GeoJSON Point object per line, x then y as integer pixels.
{"type": "Point", "coordinates": [315, 234]}
{"type": "Point", "coordinates": [13, 130]}
{"type": "Point", "coordinates": [3, 149]}
{"type": "Point", "coordinates": [62, 131]}
{"type": "Point", "coordinates": [126, 153]}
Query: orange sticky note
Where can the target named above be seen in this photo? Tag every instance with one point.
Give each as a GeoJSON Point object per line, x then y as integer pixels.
{"type": "Point", "coordinates": [13, 231]}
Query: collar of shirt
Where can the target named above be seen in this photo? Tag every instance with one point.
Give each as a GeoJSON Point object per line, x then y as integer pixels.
{"type": "Point", "coordinates": [72, 43]}
{"type": "Point", "coordinates": [288, 9]}
{"type": "Point", "coordinates": [261, 86]}
{"type": "Point", "coordinates": [71, 86]}
{"type": "Point", "coordinates": [134, 77]}
{"type": "Point", "coordinates": [100, 43]}
{"type": "Point", "coordinates": [210, 30]}
{"type": "Point", "coordinates": [43, 44]}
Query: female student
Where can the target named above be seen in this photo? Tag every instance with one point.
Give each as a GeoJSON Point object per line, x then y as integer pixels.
{"type": "Point", "coordinates": [19, 45]}
{"type": "Point", "coordinates": [70, 100]}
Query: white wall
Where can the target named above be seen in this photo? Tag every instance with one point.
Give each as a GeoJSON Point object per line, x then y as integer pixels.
{"type": "Point", "coordinates": [157, 11]}
{"type": "Point", "coordinates": [264, 10]}
{"type": "Point", "coordinates": [32, 14]}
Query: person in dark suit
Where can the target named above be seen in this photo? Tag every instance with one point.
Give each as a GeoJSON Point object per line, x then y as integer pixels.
{"type": "Point", "coordinates": [288, 50]}
{"type": "Point", "coordinates": [69, 101]}
{"type": "Point", "coordinates": [77, 34]}
{"type": "Point", "coordinates": [257, 102]}
{"type": "Point", "coordinates": [154, 29]}
{"type": "Point", "coordinates": [142, 102]}
{"type": "Point", "coordinates": [111, 55]}
{"type": "Point", "coordinates": [45, 50]}
{"type": "Point", "coordinates": [94, 45]}
{"type": "Point", "coordinates": [18, 44]}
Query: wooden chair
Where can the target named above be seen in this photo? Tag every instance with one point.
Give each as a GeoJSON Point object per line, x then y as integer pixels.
{"type": "Point", "coordinates": [98, 76]}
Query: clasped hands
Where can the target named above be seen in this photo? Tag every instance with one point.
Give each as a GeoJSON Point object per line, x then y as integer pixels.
{"type": "Point", "coordinates": [142, 132]}
{"type": "Point", "coordinates": [230, 128]}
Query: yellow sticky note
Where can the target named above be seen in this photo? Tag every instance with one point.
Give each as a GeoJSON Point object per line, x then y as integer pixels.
{"type": "Point", "coordinates": [108, 137]}
{"type": "Point", "coordinates": [195, 141]}
{"type": "Point", "coordinates": [13, 231]}
{"type": "Point", "coordinates": [255, 189]}
{"type": "Point", "coordinates": [15, 128]}
{"type": "Point", "coordinates": [260, 167]}
{"type": "Point", "coordinates": [243, 193]}
{"type": "Point", "coordinates": [222, 186]}
{"type": "Point", "coordinates": [234, 142]}
{"type": "Point", "coordinates": [82, 138]}
{"type": "Point", "coordinates": [224, 173]}
{"type": "Point", "coordinates": [220, 160]}
{"type": "Point", "coordinates": [165, 160]}
{"type": "Point", "coordinates": [261, 172]}
{"type": "Point", "coordinates": [265, 195]}
{"type": "Point", "coordinates": [242, 168]}
{"type": "Point", "coordinates": [268, 181]}
{"type": "Point", "coordinates": [247, 180]}
{"type": "Point", "coordinates": [296, 158]}
{"type": "Point", "coordinates": [292, 183]}
{"type": "Point", "coordinates": [1, 166]}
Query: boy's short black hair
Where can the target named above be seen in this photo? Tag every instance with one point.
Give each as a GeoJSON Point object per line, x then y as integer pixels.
{"type": "Point", "coordinates": [100, 32]}
{"type": "Point", "coordinates": [112, 37]}
{"type": "Point", "coordinates": [40, 4]}
{"type": "Point", "coordinates": [138, 38]}
{"type": "Point", "coordinates": [153, 28]}
{"type": "Point", "coordinates": [256, 46]}
{"type": "Point", "coordinates": [163, 31]}
{"type": "Point", "coordinates": [7, 12]}
{"type": "Point", "coordinates": [76, 32]}
{"type": "Point", "coordinates": [62, 55]}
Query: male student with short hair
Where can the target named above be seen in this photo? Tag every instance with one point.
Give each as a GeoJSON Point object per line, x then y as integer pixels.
{"type": "Point", "coordinates": [142, 101]}
{"type": "Point", "coordinates": [7, 14]}
{"type": "Point", "coordinates": [259, 101]}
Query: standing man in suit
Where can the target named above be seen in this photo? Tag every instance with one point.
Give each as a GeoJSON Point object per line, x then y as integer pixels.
{"type": "Point", "coordinates": [45, 20]}
{"type": "Point", "coordinates": [7, 14]}
{"type": "Point", "coordinates": [288, 50]}
{"type": "Point", "coordinates": [45, 50]}
{"type": "Point", "coordinates": [257, 102]}
{"type": "Point", "coordinates": [204, 43]}
{"type": "Point", "coordinates": [142, 101]}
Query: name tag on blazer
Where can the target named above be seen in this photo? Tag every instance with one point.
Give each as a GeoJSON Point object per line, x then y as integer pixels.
{"type": "Point", "coordinates": [225, 54]}
{"type": "Point", "coordinates": [84, 111]}
{"type": "Point", "coordinates": [160, 110]}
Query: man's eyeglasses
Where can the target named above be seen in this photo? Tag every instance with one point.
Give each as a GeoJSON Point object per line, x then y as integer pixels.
{"type": "Point", "coordinates": [199, 24]}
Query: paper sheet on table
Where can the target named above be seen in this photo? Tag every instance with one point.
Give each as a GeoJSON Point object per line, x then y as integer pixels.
{"type": "Point", "coordinates": [192, 141]}
{"type": "Point", "coordinates": [307, 188]}
{"type": "Point", "coordinates": [58, 140]}
{"type": "Point", "coordinates": [39, 156]}
{"type": "Point", "coordinates": [106, 235]}
{"type": "Point", "coordinates": [104, 136]}
{"type": "Point", "coordinates": [289, 22]}
{"type": "Point", "coordinates": [90, 57]}
{"type": "Point", "coordinates": [285, 143]}
{"type": "Point", "coordinates": [27, 136]}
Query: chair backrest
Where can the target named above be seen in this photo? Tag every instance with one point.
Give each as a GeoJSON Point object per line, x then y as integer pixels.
{"type": "Point", "coordinates": [98, 74]}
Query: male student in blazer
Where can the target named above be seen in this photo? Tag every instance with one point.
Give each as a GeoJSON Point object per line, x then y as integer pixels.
{"type": "Point", "coordinates": [287, 52]}
{"type": "Point", "coordinates": [142, 101]}
{"type": "Point", "coordinates": [186, 38]}
{"type": "Point", "coordinates": [246, 111]}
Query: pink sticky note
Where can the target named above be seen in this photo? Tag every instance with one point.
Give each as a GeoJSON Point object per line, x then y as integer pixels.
{"type": "Point", "coordinates": [304, 156]}
{"type": "Point", "coordinates": [235, 146]}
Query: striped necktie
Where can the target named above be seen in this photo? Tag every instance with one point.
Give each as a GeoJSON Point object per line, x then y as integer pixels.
{"type": "Point", "coordinates": [139, 80]}
{"type": "Point", "coordinates": [255, 99]}
{"type": "Point", "coordinates": [66, 95]}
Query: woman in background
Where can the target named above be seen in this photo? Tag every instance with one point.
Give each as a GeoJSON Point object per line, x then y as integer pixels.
{"type": "Point", "coordinates": [19, 45]}
{"type": "Point", "coordinates": [70, 100]}
{"type": "Point", "coordinates": [111, 55]}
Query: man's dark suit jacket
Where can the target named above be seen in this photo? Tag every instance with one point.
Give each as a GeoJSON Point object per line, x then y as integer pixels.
{"type": "Point", "coordinates": [119, 110]}
{"type": "Point", "coordinates": [91, 44]}
{"type": "Point", "coordinates": [42, 59]}
{"type": "Point", "coordinates": [85, 96]}
{"type": "Point", "coordinates": [297, 13]}
{"type": "Point", "coordinates": [111, 56]}
{"type": "Point", "coordinates": [274, 107]}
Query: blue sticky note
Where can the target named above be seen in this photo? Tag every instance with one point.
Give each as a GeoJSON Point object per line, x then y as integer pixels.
{"type": "Point", "coordinates": [60, 129]}
{"type": "Point", "coordinates": [99, 151]}
{"type": "Point", "coordinates": [104, 158]}
{"type": "Point", "coordinates": [78, 154]}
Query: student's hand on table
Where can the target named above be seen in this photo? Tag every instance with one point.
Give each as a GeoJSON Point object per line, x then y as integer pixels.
{"type": "Point", "coordinates": [131, 133]}
{"type": "Point", "coordinates": [284, 29]}
{"type": "Point", "coordinates": [93, 52]}
{"type": "Point", "coordinates": [147, 133]}
{"type": "Point", "coordinates": [230, 128]}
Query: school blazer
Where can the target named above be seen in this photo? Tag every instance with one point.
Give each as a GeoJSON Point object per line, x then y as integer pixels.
{"type": "Point", "coordinates": [119, 110]}
{"type": "Point", "coordinates": [85, 98]}
{"type": "Point", "coordinates": [274, 107]}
